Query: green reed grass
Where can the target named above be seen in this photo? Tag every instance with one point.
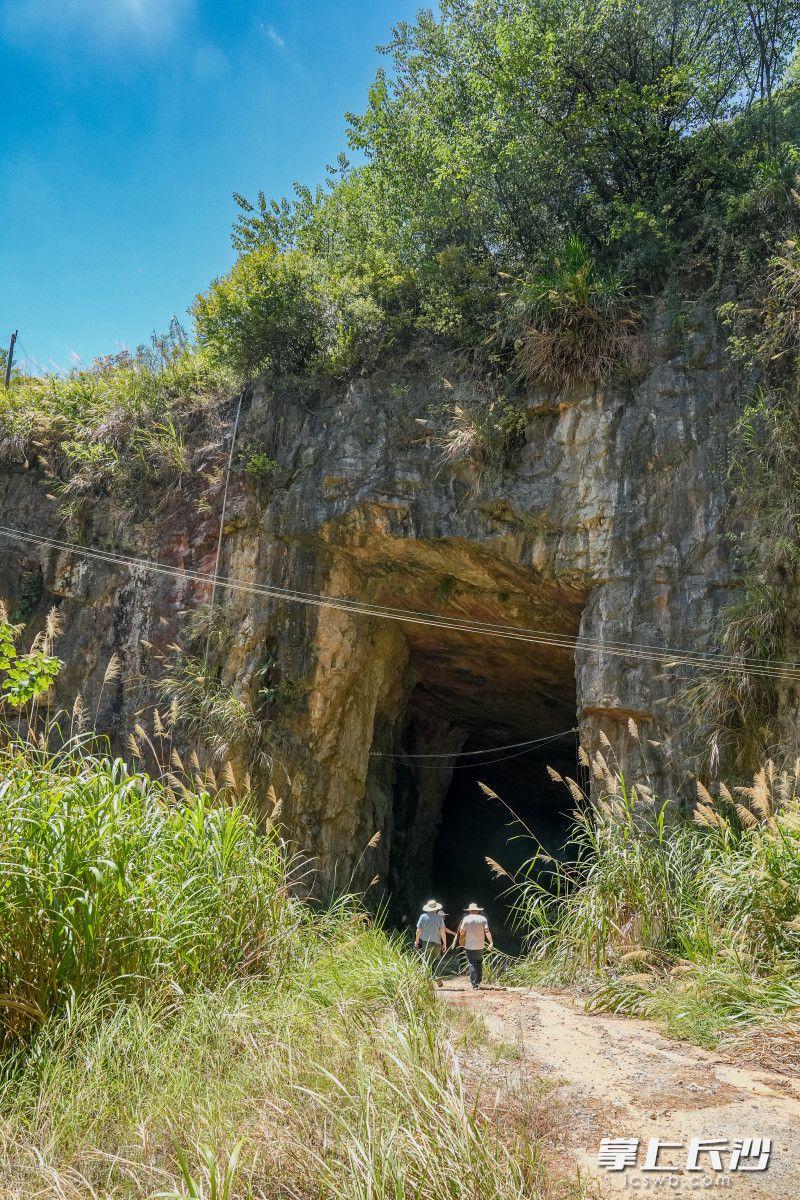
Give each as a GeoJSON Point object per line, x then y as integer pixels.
{"type": "Point", "coordinates": [340, 1081]}
{"type": "Point", "coordinates": [109, 881]}
{"type": "Point", "coordinates": [693, 921]}
{"type": "Point", "coordinates": [177, 1023]}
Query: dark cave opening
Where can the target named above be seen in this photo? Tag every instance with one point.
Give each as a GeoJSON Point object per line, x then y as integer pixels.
{"type": "Point", "coordinates": [478, 707]}
{"type": "Point", "coordinates": [505, 733]}
{"type": "Point", "coordinates": [475, 827]}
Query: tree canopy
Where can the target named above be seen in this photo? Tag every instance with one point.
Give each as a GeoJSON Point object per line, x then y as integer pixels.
{"type": "Point", "coordinates": [662, 136]}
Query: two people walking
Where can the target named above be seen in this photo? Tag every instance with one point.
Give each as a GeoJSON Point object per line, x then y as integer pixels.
{"type": "Point", "coordinates": [473, 934]}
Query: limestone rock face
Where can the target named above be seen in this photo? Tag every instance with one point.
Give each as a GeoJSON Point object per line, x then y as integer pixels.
{"type": "Point", "coordinates": [609, 524]}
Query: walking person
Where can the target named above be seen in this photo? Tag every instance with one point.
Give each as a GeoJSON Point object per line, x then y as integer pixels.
{"type": "Point", "coordinates": [431, 936]}
{"type": "Point", "coordinates": [474, 935]}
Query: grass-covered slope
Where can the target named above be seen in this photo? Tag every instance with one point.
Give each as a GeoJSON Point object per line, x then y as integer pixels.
{"type": "Point", "coordinates": [176, 1020]}
{"type": "Point", "coordinates": [691, 920]}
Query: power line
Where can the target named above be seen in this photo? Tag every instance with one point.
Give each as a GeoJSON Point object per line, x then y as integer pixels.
{"type": "Point", "coordinates": [474, 766]}
{"type": "Point", "coordinates": [503, 758]}
{"type": "Point", "coordinates": [475, 753]}
{"type": "Point", "coordinates": [669, 657]}
{"type": "Point", "coordinates": [30, 359]}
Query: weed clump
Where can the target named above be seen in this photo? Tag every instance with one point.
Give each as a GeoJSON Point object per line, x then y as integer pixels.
{"type": "Point", "coordinates": [571, 323]}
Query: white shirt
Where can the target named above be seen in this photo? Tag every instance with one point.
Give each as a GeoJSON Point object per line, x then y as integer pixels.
{"type": "Point", "coordinates": [475, 928]}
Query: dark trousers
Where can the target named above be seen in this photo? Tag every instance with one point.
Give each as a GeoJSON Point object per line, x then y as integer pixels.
{"type": "Point", "coordinates": [475, 964]}
{"type": "Point", "coordinates": [432, 953]}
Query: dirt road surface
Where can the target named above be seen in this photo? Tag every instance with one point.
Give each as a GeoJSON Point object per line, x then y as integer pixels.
{"type": "Point", "coordinates": [612, 1077]}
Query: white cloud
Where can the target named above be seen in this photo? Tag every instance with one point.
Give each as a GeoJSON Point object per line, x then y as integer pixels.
{"type": "Point", "coordinates": [103, 22]}
{"type": "Point", "coordinates": [274, 36]}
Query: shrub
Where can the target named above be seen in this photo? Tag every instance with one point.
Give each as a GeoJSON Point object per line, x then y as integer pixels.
{"type": "Point", "coordinates": [210, 713]}
{"type": "Point", "coordinates": [259, 467]}
{"type": "Point", "coordinates": [25, 677]}
{"type": "Point", "coordinates": [767, 334]}
{"type": "Point", "coordinates": [266, 314]}
{"type": "Point", "coordinates": [745, 716]}
{"type": "Point", "coordinates": [570, 323]}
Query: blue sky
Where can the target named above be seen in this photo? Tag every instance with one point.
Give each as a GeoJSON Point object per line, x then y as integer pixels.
{"type": "Point", "coordinates": [125, 125]}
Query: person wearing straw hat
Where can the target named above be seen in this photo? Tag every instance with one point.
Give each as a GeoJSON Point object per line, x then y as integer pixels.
{"type": "Point", "coordinates": [431, 936]}
{"type": "Point", "coordinates": [474, 934]}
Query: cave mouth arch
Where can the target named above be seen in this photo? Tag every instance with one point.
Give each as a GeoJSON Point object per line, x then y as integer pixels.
{"type": "Point", "coordinates": [470, 704]}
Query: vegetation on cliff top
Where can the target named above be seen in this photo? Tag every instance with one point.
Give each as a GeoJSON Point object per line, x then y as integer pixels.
{"type": "Point", "coordinates": [526, 174]}
{"type": "Point", "coordinates": [660, 140]}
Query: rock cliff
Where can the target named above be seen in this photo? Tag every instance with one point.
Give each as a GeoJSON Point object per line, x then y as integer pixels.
{"type": "Point", "coordinates": [609, 524]}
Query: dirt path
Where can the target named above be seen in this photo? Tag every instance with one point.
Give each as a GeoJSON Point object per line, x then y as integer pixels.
{"type": "Point", "coordinates": [619, 1078]}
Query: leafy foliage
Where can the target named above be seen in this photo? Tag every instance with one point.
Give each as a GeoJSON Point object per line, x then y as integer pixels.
{"type": "Point", "coordinates": [23, 677]}
{"type": "Point", "coordinates": [109, 881]}
{"type": "Point", "coordinates": [592, 153]}
{"type": "Point", "coordinates": [259, 467]}
{"type": "Point", "coordinates": [265, 314]}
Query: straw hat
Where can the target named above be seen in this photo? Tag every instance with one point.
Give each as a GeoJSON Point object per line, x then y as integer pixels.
{"type": "Point", "coordinates": [473, 907]}
{"type": "Point", "coordinates": [432, 906]}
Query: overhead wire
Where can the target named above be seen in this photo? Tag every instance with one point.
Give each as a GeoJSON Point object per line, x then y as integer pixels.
{"type": "Point", "coordinates": [475, 753]}
{"type": "Point", "coordinates": [474, 766]}
{"type": "Point", "coordinates": [668, 657]}
{"type": "Point", "coordinates": [29, 357]}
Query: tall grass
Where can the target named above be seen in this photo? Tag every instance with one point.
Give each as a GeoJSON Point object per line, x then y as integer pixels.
{"type": "Point", "coordinates": [484, 433]}
{"type": "Point", "coordinates": [177, 1023]}
{"type": "Point", "coordinates": [694, 921]}
{"type": "Point", "coordinates": [115, 424]}
{"type": "Point", "coordinates": [109, 880]}
{"type": "Point", "coordinates": [572, 323]}
{"type": "Point", "coordinates": [337, 1081]}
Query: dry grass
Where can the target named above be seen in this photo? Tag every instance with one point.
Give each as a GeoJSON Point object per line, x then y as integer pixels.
{"type": "Point", "coordinates": [773, 1046]}
{"type": "Point", "coordinates": [483, 434]}
{"type": "Point", "coordinates": [572, 324]}
{"type": "Point", "coordinates": [578, 346]}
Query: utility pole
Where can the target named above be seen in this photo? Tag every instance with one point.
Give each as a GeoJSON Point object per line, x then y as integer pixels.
{"type": "Point", "coordinates": [10, 359]}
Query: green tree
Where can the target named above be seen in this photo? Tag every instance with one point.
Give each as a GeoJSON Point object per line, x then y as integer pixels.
{"type": "Point", "coordinates": [265, 314]}
{"type": "Point", "coordinates": [661, 136]}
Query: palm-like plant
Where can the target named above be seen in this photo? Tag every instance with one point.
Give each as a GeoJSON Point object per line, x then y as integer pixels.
{"type": "Point", "coordinates": [571, 322]}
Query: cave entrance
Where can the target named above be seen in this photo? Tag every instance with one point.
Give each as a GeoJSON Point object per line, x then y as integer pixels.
{"type": "Point", "coordinates": [474, 704]}
{"type": "Point", "coordinates": [474, 827]}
